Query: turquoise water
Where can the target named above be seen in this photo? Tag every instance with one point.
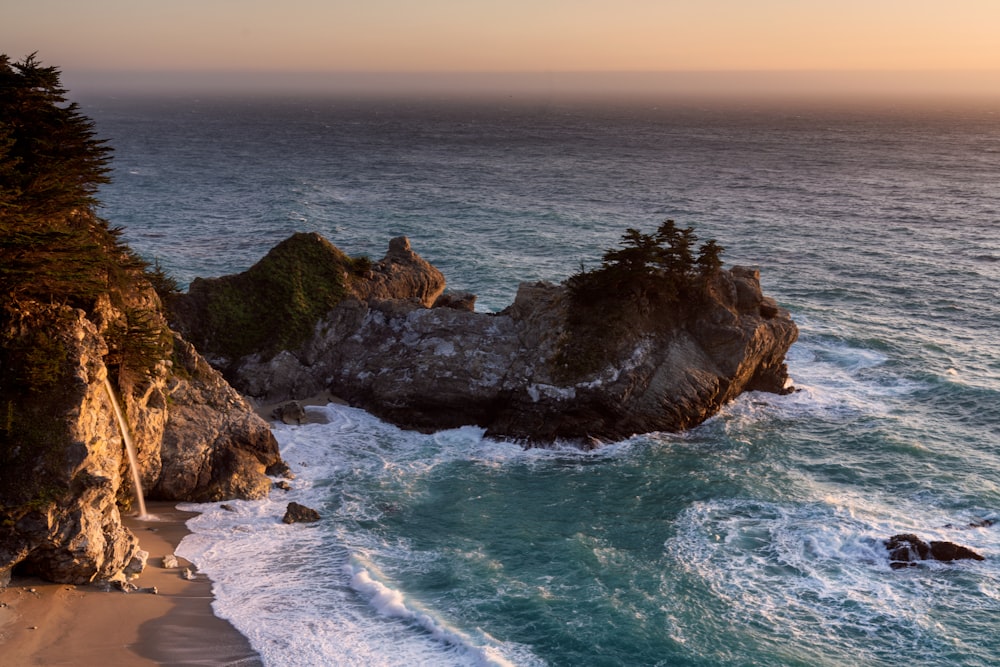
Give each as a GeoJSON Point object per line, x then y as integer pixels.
{"type": "Point", "coordinates": [754, 539]}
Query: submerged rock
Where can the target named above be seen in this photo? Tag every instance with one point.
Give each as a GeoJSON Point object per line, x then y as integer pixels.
{"type": "Point", "coordinates": [906, 549]}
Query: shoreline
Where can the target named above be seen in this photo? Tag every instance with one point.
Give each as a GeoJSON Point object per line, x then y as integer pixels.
{"type": "Point", "coordinates": [42, 623]}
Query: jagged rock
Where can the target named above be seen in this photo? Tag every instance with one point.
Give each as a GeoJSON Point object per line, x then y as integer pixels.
{"type": "Point", "coordinates": [283, 485]}
{"type": "Point", "coordinates": [62, 452]}
{"type": "Point", "coordinates": [290, 413]}
{"type": "Point", "coordinates": [432, 368]}
{"type": "Point", "coordinates": [137, 564]}
{"type": "Point", "coordinates": [214, 446]}
{"type": "Point", "coordinates": [401, 274]}
{"type": "Point", "coordinates": [456, 300]}
{"type": "Point", "coordinates": [274, 305]}
{"type": "Point", "coordinates": [170, 562]}
{"type": "Point", "coordinates": [279, 469]}
{"type": "Point", "coordinates": [296, 513]}
{"type": "Point", "coordinates": [906, 548]}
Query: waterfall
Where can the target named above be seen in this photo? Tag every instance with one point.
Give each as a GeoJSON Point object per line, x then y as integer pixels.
{"type": "Point", "coordinates": [133, 461]}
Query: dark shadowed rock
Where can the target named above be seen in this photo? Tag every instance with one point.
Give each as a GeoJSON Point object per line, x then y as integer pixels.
{"type": "Point", "coordinates": [296, 513]}
{"type": "Point", "coordinates": [457, 300]}
{"type": "Point", "coordinates": [906, 549]}
{"type": "Point", "coordinates": [291, 412]}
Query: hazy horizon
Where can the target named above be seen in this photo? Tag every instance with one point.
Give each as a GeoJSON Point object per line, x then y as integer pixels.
{"type": "Point", "coordinates": [703, 47]}
{"type": "Point", "coordinates": [762, 85]}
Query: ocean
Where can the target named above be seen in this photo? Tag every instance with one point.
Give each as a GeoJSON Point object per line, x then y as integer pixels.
{"type": "Point", "coordinates": [753, 539]}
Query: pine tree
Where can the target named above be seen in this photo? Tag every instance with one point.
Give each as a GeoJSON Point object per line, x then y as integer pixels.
{"type": "Point", "coordinates": [52, 245]}
{"type": "Point", "coordinates": [709, 258]}
{"type": "Point", "coordinates": [50, 160]}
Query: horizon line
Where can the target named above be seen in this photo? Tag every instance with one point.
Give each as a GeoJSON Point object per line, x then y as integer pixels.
{"type": "Point", "coordinates": [813, 83]}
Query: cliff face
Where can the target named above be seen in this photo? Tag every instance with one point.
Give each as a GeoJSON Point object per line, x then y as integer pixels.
{"type": "Point", "coordinates": [518, 374]}
{"type": "Point", "coordinates": [63, 471]}
{"type": "Point", "coordinates": [77, 309]}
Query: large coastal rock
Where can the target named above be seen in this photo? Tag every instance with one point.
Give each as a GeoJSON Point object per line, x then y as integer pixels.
{"type": "Point", "coordinates": [64, 476]}
{"type": "Point", "coordinates": [275, 304]}
{"type": "Point", "coordinates": [517, 373]}
{"type": "Point", "coordinates": [81, 321]}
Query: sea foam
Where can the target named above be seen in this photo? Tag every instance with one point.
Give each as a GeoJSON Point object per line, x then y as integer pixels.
{"type": "Point", "coordinates": [308, 594]}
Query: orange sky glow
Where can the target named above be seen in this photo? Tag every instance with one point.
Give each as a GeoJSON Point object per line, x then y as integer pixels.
{"type": "Point", "coordinates": [536, 36]}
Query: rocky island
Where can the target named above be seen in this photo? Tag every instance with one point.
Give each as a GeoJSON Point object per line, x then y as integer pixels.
{"type": "Point", "coordinates": [636, 346]}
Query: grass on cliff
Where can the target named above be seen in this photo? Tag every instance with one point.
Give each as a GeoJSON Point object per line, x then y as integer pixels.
{"type": "Point", "coordinates": [276, 303]}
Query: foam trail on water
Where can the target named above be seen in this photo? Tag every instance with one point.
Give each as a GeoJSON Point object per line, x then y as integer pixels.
{"type": "Point", "coordinates": [391, 602]}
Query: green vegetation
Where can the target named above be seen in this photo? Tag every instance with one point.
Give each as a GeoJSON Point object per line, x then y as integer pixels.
{"type": "Point", "coordinates": [275, 304]}
{"type": "Point", "coordinates": [53, 248]}
{"type": "Point", "coordinates": [660, 268]}
{"type": "Point", "coordinates": [650, 277]}
{"type": "Point", "coordinates": [56, 252]}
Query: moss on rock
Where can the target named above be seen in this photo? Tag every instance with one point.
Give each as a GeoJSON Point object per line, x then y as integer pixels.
{"type": "Point", "coordinates": [274, 305]}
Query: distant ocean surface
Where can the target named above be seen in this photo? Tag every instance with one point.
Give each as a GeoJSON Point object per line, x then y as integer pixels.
{"type": "Point", "coordinates": [754, 539]}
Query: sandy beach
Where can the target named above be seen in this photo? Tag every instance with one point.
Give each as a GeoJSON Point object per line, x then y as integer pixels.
{"type": "Point", "coordinates": [42, 623]}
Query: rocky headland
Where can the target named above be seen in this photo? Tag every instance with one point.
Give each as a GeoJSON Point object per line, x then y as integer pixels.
{"type": "Point", "coordinates": [64, 478]}
{"type": "Point", "coordinates": [87, 360]}
{"type": "Point", "coordinates": [548, 367]}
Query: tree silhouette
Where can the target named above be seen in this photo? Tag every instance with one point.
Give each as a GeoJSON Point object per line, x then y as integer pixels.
{"type": "Point", "coordinates": [52, 245]}
{"type": "Point", "coordinates": [50, 159]}
{"type": "Point", "coordinates": [659, 267]}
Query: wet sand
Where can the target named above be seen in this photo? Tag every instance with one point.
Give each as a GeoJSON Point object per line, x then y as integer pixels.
{"type": "Point", "coordinates": [57, 624]}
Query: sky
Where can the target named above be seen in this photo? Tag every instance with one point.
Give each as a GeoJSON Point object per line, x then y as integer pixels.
{"type": "Point", "coordinates": [927, 40]}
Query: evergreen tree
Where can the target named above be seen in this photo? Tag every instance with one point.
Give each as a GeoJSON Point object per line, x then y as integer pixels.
{"type": "Point", "coordinates": [661, 267]}
{"type": "Point", "coordinates": [50, 160]}
{"type": "Point", "coordinates": [52, 245]}
{"type": "Point", "coordinates": [709, 258]}
{"type": "Point", "coordinates": [676, 254]}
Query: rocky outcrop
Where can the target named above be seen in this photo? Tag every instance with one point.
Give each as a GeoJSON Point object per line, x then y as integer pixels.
{"type": "Point", "coordinates": [63, 473]}
{"type": "Point", "coordinates": [80, 321]}
{"type": "Point", "coordinates": [214, 446]}
{"type": "Point", "coordinates": [516, 373]}
{"type": "Point", "coordinates": [275, 304]}
{"type": "Point", "coordinates": [906, 549]}
{"type": "Point", "coordinates": [296, 513]}
{"type": "Point", "coordinates": [60, 480]}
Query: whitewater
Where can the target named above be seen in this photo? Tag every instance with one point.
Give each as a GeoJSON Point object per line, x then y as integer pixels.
{"type": "Point", "coordinates": [754, 539]}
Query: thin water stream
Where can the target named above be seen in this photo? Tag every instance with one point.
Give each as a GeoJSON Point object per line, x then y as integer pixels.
{"type": "Point", "coordinates": [133, 461]}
